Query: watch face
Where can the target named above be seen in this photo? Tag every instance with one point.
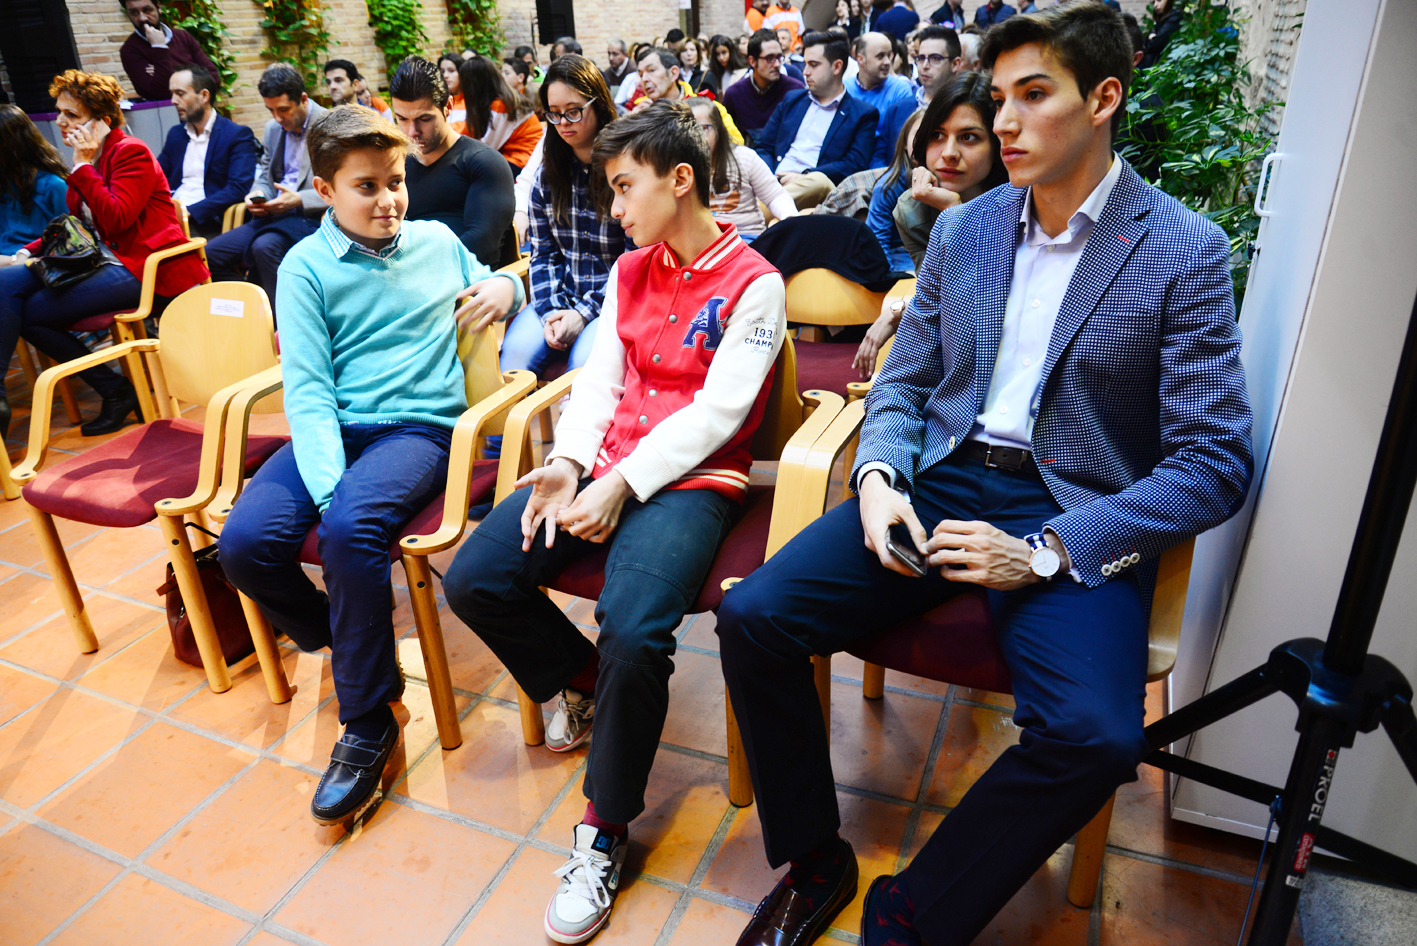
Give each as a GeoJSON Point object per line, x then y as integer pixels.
{"type": "Point", "coordinates": [1044, 562]}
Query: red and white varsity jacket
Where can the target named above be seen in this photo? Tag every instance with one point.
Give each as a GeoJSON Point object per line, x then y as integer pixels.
{"type": "Point", "coordinates": [679, 375]}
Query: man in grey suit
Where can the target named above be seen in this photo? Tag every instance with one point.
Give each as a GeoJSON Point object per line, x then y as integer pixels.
{"type": "Point", "coordinates": [283, 207]}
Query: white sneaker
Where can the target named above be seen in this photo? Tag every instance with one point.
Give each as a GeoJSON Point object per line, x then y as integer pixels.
{"type": "Point", "coordinates": [570, 724]}
{"type": "Point", "coordinates": [589, 882]}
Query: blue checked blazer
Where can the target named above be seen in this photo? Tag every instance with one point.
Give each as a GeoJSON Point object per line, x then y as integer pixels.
{"type": "Point", "coordinates": [1143, 427]}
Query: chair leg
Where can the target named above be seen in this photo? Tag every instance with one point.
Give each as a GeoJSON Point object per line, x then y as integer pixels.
{"type": "Point", "coordinates": [435, 654]}
{"type": "Point", "coordinates": [267, 653]}
{"type": "Point", "coordinates": [63, 578]}
{"type": "Point", "coordinates": [822, 676]}
{"type": "Point", "coordinates": [873, 683]}
{"type": "Point", "coordinates": [27, 367]}
{"type": "Point", "coordinates": [1088, 851]}
{"type": "Point", "coordinates": [533, 726]}
{"type": "Point", "coordinates": [7, 485]}
{"type": "Point", "coordinates": [740, 781]}
{"type": "Point", "coordinates": [189, 582]}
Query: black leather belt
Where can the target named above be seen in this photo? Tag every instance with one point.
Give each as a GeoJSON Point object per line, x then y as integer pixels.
{"type": "Point", "coordinates": [997, 457]}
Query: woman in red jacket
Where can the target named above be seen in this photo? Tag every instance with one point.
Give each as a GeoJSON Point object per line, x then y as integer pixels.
{"type": "Point", "coordinates": [118, 189]}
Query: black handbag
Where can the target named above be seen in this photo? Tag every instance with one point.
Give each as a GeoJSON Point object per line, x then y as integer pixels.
{"type": "Point", "coordinates": [70, 252]}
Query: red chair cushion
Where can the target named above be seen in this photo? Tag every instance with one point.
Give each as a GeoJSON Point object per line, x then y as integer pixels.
{"type": "Point", "coordinates": [743, 550]}
{"type": "Point", "coordinates": [117, 483]}
{"type": "Point", "coordinates": [953, 643]}
{"type": "Point", "coordinates": [484, 480]}
{"type": "Point", "coordinates": [99, 323]}
{"type": "Point", "coordinates": [825, 366]}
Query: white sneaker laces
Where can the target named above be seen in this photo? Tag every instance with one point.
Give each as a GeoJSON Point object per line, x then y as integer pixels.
{"type": "Point", "coordinates": [585, 873]}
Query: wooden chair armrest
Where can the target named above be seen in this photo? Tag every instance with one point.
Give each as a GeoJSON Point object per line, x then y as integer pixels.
{"type": "Point", "coordinates": [209, 467]}
{"type": "Point", "coordinates": [232, 478]}
{"type": "Point", "coordinates": [460, 464]}
{"type": "Point", "coordinates": [43, 400]}
{"type": "Point", "coordinates": [1168, 607]}
{"type": "Point", "coordinates": [856, 390]}
{"type": "Point", "coordinates": [145, 302]}
{"type": "Point", "coordinates": [522, 270]}
{"type": "Point", "coordinates": [790, 514]}
{"type": "Point", "coordinates": [516, 434]}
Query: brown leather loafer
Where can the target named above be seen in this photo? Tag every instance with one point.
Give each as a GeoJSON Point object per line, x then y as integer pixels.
{"type": "Point", "coordinates": [784, 918]}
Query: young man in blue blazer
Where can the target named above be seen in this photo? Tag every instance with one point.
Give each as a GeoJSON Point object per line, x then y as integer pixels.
{"type": "Point", "coordinates": [223, 153]}
{"type": "Point", "coordinates": [818, 135]}
{"type": "Point", "coordinates": [1064, 401]}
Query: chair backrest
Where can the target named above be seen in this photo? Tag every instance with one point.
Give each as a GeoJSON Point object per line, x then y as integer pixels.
{"type": "Point", "coordinates": [214, 335]}
{"type": "Point", "coordinates": [482, 374]}
{"type": "Point", "coordinates": [182, 218]}
{"type": "Point", "coordinates": [821, 297]}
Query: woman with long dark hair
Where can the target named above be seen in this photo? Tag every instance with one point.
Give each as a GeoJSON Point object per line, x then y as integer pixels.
{"type": "Point", "coordinates": [32, 185]}
{"type": "Point", "coordinates": [496, 115]}
{"type": "Point", "coordinates": [448, 65]}
{"type": "Point", "coordinates": [725, 62]}
{"type": "Point", "coordinates": [738, 177]}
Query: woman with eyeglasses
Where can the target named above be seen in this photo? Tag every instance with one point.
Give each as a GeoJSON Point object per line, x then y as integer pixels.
{"type": "Point", "coordinates": [574, 241]}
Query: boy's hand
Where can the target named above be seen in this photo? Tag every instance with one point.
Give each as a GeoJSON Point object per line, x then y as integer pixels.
{"type": "Point", "coordinates": [881, 508]}
{"type": "Point", "coordinates": [488, 300]}
{"type": "Point", "coordinates": [596, 511]}
{"type": "Point", "coordinates": [554, 487]}
{"type": "Point", "coordinates": [562, 328]}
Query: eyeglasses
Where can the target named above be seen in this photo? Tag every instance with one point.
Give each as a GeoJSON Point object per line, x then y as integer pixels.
{"type": "Point", "coordinates": [773, 60]}
{"type": "Point", "coordinates": [934, 59]}
{"type": "Point", "coordinates": [570, 115]}
{"type": "Point", "coordinates": [706, 126]}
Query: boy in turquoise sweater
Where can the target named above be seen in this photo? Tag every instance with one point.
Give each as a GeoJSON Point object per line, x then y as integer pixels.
{"type": "Point", "coordinates": [373, 387]}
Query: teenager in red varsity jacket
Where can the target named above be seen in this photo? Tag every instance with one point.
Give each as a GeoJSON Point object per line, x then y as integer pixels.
{"type": "Point", "coordinates": [651, 458]}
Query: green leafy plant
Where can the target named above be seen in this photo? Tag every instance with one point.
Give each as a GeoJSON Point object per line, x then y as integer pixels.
{"type": "Point", "coordinates": [398, 31]}
{"type": "Point", "coordinates": [1193, 130]}
{"type": "Point", "coordinates": [476, 25]}
{"type": "Point", "coordinates": [298, 36]}
{"type": "Point", "coordinates": [202, 18]}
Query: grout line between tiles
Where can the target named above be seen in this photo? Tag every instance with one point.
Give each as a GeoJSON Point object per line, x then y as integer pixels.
{"type": "Point", "coordinates": [937, 741]}
{"type": "Point", "coordinates": [1160, 861]}
{"type": "Point", "coordinates": [84, 907]}
{"type": "Point", "coordinates": [681, 905]}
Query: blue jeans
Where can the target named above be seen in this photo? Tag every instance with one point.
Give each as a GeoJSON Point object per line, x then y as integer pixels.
{"type": "Point", "coordinates": [394, 471]}
{"type": "Point", "coordinates": [524, 345]}
{"type": "Point", "coordinates": [659, 556]}
{"type": "Point", "coordinates": [1077, 657]}
{"type": "Point", "coordinates": [40, 315]}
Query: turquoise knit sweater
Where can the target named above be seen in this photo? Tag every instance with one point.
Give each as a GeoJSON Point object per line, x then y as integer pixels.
{"type": "Point", "coordinates": [369, 338]}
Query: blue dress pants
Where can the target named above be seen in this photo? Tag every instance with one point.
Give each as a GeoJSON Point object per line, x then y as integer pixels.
{"type": "Point", "coordinates": [659, 556]}
{"type": "Point", "coordinates": [393, 472]}
{"type": "Point", "coordinates": [1077, 657]}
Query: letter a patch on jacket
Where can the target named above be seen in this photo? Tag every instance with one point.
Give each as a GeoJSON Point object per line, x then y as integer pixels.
{"type": "Point", "coordinates": [707, 323]}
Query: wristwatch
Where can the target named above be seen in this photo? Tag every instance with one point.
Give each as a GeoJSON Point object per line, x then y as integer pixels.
{"type": "Point", "coordinates": [1044, 561]}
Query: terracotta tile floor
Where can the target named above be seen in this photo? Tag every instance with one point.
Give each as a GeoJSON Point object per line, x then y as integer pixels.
{"type": "Point", "coordinates": [136, 806]}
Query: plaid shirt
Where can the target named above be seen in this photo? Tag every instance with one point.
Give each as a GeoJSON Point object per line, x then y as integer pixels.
{"type": "Point", "coordinates": [571, 258]}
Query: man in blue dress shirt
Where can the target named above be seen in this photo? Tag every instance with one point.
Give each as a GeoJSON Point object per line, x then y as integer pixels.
{"type": "Point", "coordinates": [892, 96]}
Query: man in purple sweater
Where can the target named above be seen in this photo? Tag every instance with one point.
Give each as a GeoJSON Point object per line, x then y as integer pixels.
{"type": "Point", "coordinates": [151, 53]}
{"type": "Point", "coordinates": [752, 99]}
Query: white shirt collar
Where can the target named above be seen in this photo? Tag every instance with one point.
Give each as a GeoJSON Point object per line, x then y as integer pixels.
{"type": "Point", "coordinates": [1084, 216]}
{"type": "Point", "coordinates": [834, 102]}
{"type": "Point", "coordinates": [206, 129]}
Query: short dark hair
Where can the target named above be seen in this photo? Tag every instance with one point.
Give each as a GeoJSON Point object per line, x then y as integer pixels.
{"type": "Point", "coordinates": [124, 4]}
{"type": "Point", "coordinates": [568, 44]}
{"type": "Point", "coordinates": [1134, 33]}
{"type": "Point", "coordinates": [344, 129]}
{"type": "Point", "coordinates": [416, 79]}
{"type": "Point", "coordinates": [834, 48]}
{"type": "Point", "coordinates": [1089, 39]}
{"type": "Point", "coordinates": [201, 78]}
{"type": "Point", "coordinates": [518, 66]}
{"type": "Point", "coordinates": [350, 69]}
{"type": "Point", "coordinates": [664, 136]}
{"type": "Point", "coordinates": [755, 42]}
{"type": "Point", "coordinates": [951, 38]}
{"type": "Point", "coordinates": [667, 58]}
{"type": "Point", "coordinates": [521, 51]}
{"type": "Point", "coordinates": [642, 51]}
{"type": "Point", "coordinates": [281, 78]}
{"type": "Point", "coordinates": [675, 35]}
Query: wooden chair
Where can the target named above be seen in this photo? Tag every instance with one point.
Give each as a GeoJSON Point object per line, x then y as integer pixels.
{"type": "Point", "coordinates": [491, 393]}
{"type": "Point", "coordinates": [770, 516]}
{"type": "Point", "coordinates": [205, 357]}
{"type": "Point", "coordinates": [955, 643]}
{"type": "Point", "coordinates": [233, 217]}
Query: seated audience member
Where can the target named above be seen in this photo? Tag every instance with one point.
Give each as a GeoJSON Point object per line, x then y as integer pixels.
{"type": "Point", "coordinates": [448, 65]}
{"type": "Point", "coordinates": [660, 79]}
{"type": "Point", "coordinates": [792, 63]}
{"type": "Point", "coordinates": [783, 15]}
{"type": "Point", "coordinates": [743, 40]}
{"type": "Point", "coordinates": [564, 45]}
{"type": "Point", "coordinates": [1168, 17]}
{"type": "Point", "coordinates": [818, 135]}
{"type": "Point", "coordinates": [451, 178]}
{"type": "Point", "coordinates": [283, 206]}
{"type": "Point", "coordinates": [725, 63]}
{"type": "Point", "coordinates": [898, 21]}
{"type": "Point", "coordinates": [373, 387]}
{"type": "Point", "coordinates": [574, 243]}
{"type": "Point", "coordinates": [616, 54]}
{"type": "Point", "coordinates": [937, 59]}
{"type": "Point", "coordinates": [1048, 454]}
{"type": "Point", "coordinates": [951, 14]}
{"type": "Point", "coordinates": [889, 186]}
{"type": "Point", "coordinates": [991, 12]}
{"type": "Point", "coordinates": [347, 87]}
{"type": "Point", "coordinates": [497, 116]}
{"type": "Point", "coordinates": [969, 43]}
{"type": "Point", "coordinates": [752, 99]}
{"type": "Point", "coordinates": [892, 96]}
{"type": "Point", "coordinates": [527, 54]}
{"type": "Point", "coordinates": [849, 22]}
{"type": "Point", "coordinates": [118, 189]}
{"type": "Point", "coordinates": [155, 49]}
{"type": "Point", "coordinates": [738, 178]}
{"type": "Point", "coordinates": [693, 68]}
{"type": "Point", "coordinates": [651, 458]}
{"type": "Point", "coordinates": [32, 188]}
{"type": "Point", "coordinates": [516, 73]}
{"type": "Point", "coordinates": [209, 160]}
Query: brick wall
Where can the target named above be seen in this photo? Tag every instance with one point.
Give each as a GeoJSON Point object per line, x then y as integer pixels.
{"type": "Point", "coordinates": [1267, 43]}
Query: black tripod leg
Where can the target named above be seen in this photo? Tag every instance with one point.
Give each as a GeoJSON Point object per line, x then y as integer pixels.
{"type": "Point", "coordinates": [1401, 726]}
{"type": "Point", "coordinates": [1226, 701]}
{"type": "Point", "coordinates": [1305, 795]}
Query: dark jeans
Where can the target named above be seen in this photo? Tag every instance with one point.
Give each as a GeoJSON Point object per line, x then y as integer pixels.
{"type": "Point", "coordinates": [659, 556]}
{"type": "Point", "coordinates": [256, 248]}
{"type": "Point", "coordinates": [1078, 662]}
{"type": "Point", "coordinates": [394, 471]}
{"type": "Point", "coordinates": [41, 315]}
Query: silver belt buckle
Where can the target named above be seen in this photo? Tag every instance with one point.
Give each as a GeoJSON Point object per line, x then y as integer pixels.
{"type": "Point", "coordinates": [989, 458]}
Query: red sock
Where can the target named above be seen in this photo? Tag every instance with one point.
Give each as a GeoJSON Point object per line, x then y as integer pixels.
{"type": "Point", "coordinates": [584, 682]}
{"type": "Point", "coordinates": [600, 824]}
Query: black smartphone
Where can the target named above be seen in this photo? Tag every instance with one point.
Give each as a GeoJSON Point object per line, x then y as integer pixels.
{"type": "Point", "coordinates": [257, 198]}
{"type": "Point", "coordinates": [899, 544]}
